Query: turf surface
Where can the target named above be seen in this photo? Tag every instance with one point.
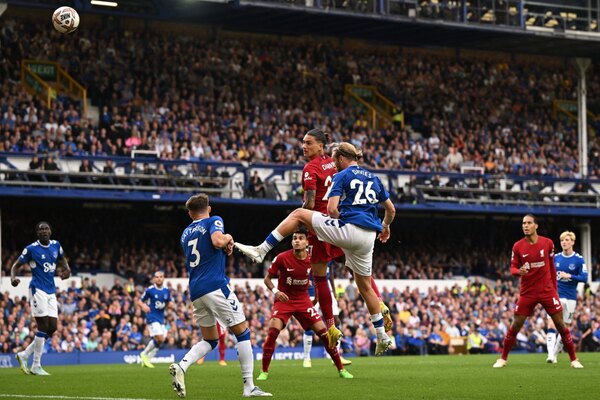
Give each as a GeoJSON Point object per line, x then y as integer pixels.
{"type": "Point", "coordinates": [433, 377]}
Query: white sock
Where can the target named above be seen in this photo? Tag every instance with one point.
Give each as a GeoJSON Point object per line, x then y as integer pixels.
{"type": "Point", "coordinates": [29, 350]}
{"type": "Point", "coordinates": [38, 348]}
{"type": "Point", "coordinates": [152, 353]}
{"type": "Point", "coordinates": [197, 351]}
{"type": "Point", "coordinates": [375, 318]}
{"type": "Point", "coordinates": [558, 345]}
{"type": "Point", "coordinates": [550, 343]}
{"type": "Point", "coordinates": [246, 357]}
{"type": "Point", "coordinates": [307, 340]}
{"type": "Point", "coordinates": [149, 347]}
{"type": "Point", "coordinates": [339, 348]}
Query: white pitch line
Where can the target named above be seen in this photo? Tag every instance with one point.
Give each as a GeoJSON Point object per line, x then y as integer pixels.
{"type": "Point", "coordinates": [28, 396]}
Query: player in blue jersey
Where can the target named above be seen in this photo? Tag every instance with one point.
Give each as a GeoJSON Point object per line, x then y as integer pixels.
{"type": "Point", "coordinates": [206, 247]}
{"type": "Point", "coordinates": [352, 224]}
{"type": "Point", "coordinates": [154, 302]}
{"type": "Point", "coordinates": [570, 271]}
{"type": "Point", "coordinates": [44, 257]}
{"type": "Point", "coordinates": [307, 338]}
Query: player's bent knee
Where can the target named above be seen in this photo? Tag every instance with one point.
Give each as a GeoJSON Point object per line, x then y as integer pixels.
{"type": "Point", "coordinates": [239, 328]}
{"type": "Point", "coordinates": [213, 342]}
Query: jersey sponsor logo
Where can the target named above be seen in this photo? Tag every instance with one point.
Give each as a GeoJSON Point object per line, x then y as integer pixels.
{"type": "Point", "coordinates": [160, 305]}
{"type": "Point", "coordinates": [294, 282]}
{"type": "Point", "coordinates": [538, 264]}
{"type": "Point", "coordinates": [307, 177]}
{"type": "Point", "coordinates": [49, 267]}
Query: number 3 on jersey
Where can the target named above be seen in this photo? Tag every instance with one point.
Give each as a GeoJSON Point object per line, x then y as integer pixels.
{"type": "Point", "coordinates": [193, 244]}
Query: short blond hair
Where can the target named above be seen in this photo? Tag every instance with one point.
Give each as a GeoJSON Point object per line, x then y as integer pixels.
{"type": "Point", "coordinates": [567, 234]}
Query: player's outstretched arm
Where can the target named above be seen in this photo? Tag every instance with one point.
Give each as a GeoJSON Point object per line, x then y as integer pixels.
{"type": "Point", "coordinates": [63, 267]}
{"type": "Point", "coordinates": [222, 241]}
{"type": "Point", "coordinates": [13, 273]}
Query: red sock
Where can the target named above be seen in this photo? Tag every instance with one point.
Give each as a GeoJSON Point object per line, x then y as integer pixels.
{"type": "Point", "coordinates": [222, 348]}
{"type": "Point", "coordinates": [509, 342]}
{"type": "Point", "coordinates": [335, 355]}
{"type": "Point", "coordinates": [269, 348]}
{"type": "Point", "coordinates": [375, 288]}
{"type": "Point", "coordinates": [324, 295]}
{"type": "Point", "coordinates": [568, 343]}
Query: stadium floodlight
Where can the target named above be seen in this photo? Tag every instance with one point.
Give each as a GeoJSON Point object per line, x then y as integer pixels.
{"type": "Point", "coordinates": [104, 3]}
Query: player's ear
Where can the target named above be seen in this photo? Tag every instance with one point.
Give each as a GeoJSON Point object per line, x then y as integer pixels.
{"type": "Point", "coordinates": [209, 209]}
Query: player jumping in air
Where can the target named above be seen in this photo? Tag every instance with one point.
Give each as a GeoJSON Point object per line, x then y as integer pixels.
{"type": "Point", "coordinates": [206, 246]}
{"type": "Point", "coordinates": [43, 257]}
{"type": "Point", "coordinates": [570, 270]}
{"type": "Point", "coordinates": [154, 303]}
{"type": "Point", "coordinates": [352, 224]}
{"type": "Point", "coordinates": [533, 260]}
{"type": "Point", "coordinates": [291, 299]}
{"type": "Point", "coordinates": [317, 177]}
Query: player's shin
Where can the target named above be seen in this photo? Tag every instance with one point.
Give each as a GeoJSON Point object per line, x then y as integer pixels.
{"type": "Point", "coordinates": [332, 350]}
{"type": "Point", "coordinates": [197, 351]}
{"type": "Point", "coordinates": [271, 241]}
{"type": "Point", "coordinates": [509, 342]}
{"type": "Point", "coordinates": [307, 340]}
{"type": "Point", "coordinates": [568, 343]}
{"type": "Point", "coordinates": [551, 343]}
{"type": "Point", "coordinates": [38, 348]}
{"type": "Point", "coordinates": [269, 348]}
{"type": "Point", "coordinates": [246, 357]}
{"type": "Point", "coordinates": [324, 295]}
{"type": "Point", "coordinates": [375, 288]}
{"type": "Point", "coordinates": [150, 348]}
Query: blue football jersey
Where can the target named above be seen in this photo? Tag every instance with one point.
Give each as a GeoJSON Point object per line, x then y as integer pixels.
{"type": "Point", "coordinates": [360, 192]}
{"type": "Point", "coordinates": [574, 265]}
{"type": "Point", "coordinates": [157, 299]}
{"type": "Point", "coordinates": [204, 262]}
{"type": "Point", "coordinates": [42, 261]}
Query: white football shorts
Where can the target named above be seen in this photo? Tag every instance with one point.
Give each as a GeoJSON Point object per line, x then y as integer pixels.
{"type": "Point", "coordinates": [43, 304]}
{"type": "Point", "coordinates": [222, 305]}
{"type": "Point", "coordinates": [568, 309]}
{"type": "Point", "coordinates": [356, 242]}
{"type": "Point", "coordinates": [157, 329]}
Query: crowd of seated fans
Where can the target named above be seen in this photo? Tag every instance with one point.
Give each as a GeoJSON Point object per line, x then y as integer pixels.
{"type": "Point", "coordinates": [241, 99]}
{"type": "Point", "coordinates": [108, 319]}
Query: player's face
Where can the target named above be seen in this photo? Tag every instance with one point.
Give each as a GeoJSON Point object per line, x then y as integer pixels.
{"type": "Point", "coordinates": [529, 226]}
{"type": "Point", "coordinates": [159, 279]}
{"type": "Point", "coordinates": [311, 147]}
{"type": "Point", "coordinates": [567, 243]}
{"type": "Point", "coordinates": [44, 232]}
{"type": "Point", "coordinates": [340, 162]}
{"type": "Point", "coordinates": [299, 241]}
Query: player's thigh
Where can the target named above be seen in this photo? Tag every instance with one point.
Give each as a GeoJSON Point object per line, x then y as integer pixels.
{"type": "Point", "coordinates": [525, 306]}
{"type": "Point", "coordinates": [283, 311]}
{"type": "Point", "coordinates": [332, 231]}
{"type": "Point", "coordinates": [306, 314]}
{"type": "Point", "coordinates": [569, 306]}
{"type": "Point", "coordinates": [225, 306]}
{"type": "Point", "coordinates": [334, 252]}
{"type": "Point", "coordinates": [318, 255]}
{"type": "Point", "coordinates": [203, 315]}
{"type": "Point", "coordinates": [40, 303]}
{"type": "Point", "coordinates": [551, 304]}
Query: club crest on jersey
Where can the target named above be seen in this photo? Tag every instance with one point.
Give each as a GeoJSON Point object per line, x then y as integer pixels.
{"type": "Point", "coordinates": [542, 253]}
{"type": "Point", "coordinates": [571, 267]}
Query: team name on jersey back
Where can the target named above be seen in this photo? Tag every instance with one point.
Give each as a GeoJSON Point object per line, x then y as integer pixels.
{"type": "Point", "coordinates": [42, 260]}
{"type": "Point", "coordinates": [204, 262]}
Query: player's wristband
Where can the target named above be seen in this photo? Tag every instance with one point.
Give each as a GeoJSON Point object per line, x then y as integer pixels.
{"type": "Point", "coordinates": [275, 290]}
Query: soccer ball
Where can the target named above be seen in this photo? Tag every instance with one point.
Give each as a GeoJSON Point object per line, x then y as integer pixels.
{"type": "Point", "coordinates": [65, 19]}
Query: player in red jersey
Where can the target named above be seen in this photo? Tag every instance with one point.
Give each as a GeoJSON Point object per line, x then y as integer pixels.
{"type": "Point", "coordinates": [533, 260]}
{"type": "Point", "coordinates": [291, 299]}
{"type": "Point", "coordinates": [316, 179]}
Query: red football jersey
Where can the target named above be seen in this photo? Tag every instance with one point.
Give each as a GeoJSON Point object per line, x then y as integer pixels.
{"type": "Point", "coordinates": [539, 258]}
{"type": "Point", "coordinates": [293, 274]}
{"type": "Point", "coordinates": [317, 175]}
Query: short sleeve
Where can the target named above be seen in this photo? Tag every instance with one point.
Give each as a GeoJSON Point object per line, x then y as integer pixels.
{"type": "Point", "coordinates": [145, 295]}
{"type": "Point", "coordinates": [61, 253]}
{"type": "Point", "coordinates": [309, 178]}
{"type": "Point", "coordinates": [217, 226]}
{"type": "Point", "coordinates": [383, 194]}
{"type": "Point", "coordinates": [274, 268]}
{"type": "Point", "coordinates": [25, 256]}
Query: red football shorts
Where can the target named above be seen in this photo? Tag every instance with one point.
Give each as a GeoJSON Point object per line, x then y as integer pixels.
{"type": "Point", "coordinates": [302, 309]}
{"type": "Point", "coordinates": [550, 302]}
{"type": "Point", "coordinates": [322, 252]}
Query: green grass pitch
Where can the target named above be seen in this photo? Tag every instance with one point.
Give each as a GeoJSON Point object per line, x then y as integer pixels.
{"type": "Point", "coordinates": [422, 378]}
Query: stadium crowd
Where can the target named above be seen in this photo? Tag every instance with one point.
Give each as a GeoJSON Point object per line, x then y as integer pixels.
{"type": "Point", "coordinates": [108, 319]}
{"type": "Point", "coordinates": [244, 99]}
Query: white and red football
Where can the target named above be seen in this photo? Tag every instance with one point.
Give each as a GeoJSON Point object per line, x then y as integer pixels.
{"type": "Point", "coordinates": [65, 19]}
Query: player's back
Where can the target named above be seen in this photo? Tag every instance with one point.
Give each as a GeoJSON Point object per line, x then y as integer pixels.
{"type": "Point", "coordinates": [42, 261]}
{"type": "Point", "coordinates": [317, 175]}
{"type": "Point", "coordinates": [204, 262]}
{"type": "Point", "coordinates": [573, 264]}
{"type": "Point", "coordinates": [158, 299]}
{"type": "Point", "coordinates": [360, 193]}
{"type": "Point", "coordinates": [538, 258]}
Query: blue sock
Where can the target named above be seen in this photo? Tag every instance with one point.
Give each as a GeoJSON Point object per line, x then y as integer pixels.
{"type": "Point", "coordinates": [213, 343]}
